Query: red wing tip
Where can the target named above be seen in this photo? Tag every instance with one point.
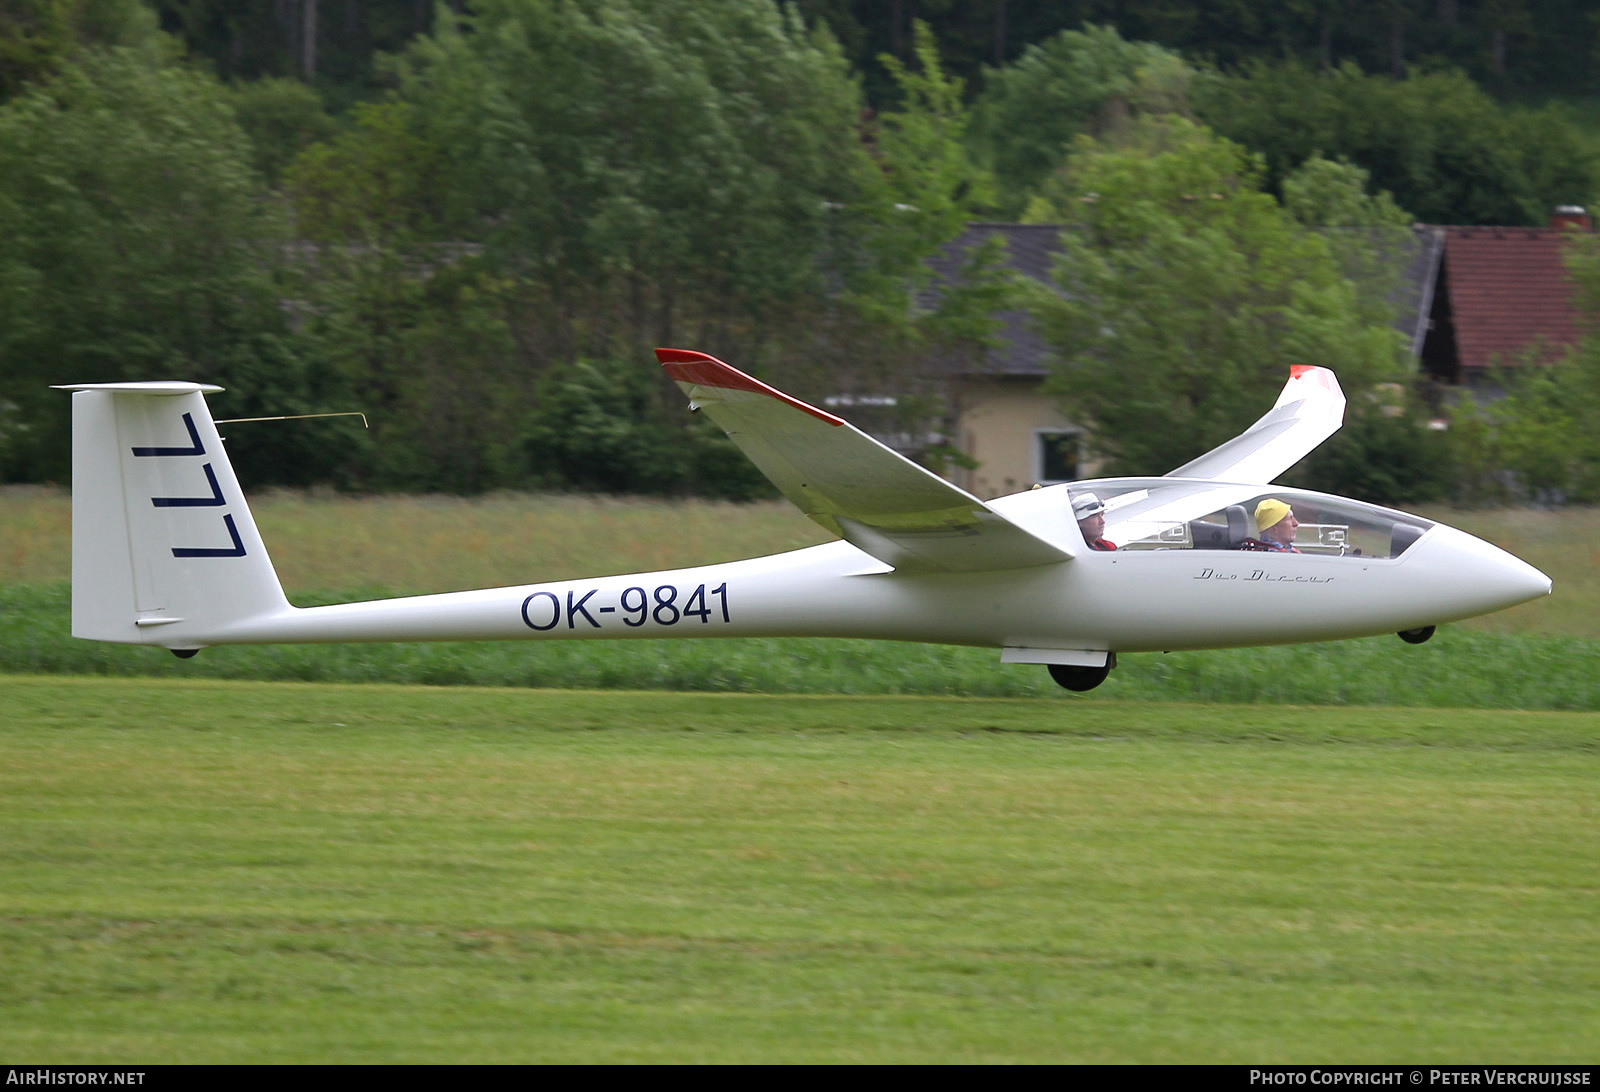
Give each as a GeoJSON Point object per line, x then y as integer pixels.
{"type": "Point", "coordinates": [685, 356]}
{"type": "Point", "coordinates": [688, 366]}
{"type": "Point", "coordinates": [1318, 374]}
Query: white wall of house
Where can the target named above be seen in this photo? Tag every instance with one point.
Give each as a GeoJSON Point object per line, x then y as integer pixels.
{"type": "Point", "coordinates": [1005, 423]}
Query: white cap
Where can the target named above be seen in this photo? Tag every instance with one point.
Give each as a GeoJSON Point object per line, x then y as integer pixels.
{"type": "Point", "coordinates": [1085, 505]}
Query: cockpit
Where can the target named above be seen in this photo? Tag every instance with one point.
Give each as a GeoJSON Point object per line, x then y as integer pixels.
{"type": "Point", "coordinates": [1147, 514]}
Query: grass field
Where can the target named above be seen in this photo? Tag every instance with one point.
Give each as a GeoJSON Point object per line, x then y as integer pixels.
{"type": "Point", "coordinates": [201, 870]}
{"type": "Point", "coordinates": [247, 872]}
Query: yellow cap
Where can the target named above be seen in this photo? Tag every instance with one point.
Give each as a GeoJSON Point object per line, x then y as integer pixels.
{"type": "Point", "coordinates": [1269, 513]}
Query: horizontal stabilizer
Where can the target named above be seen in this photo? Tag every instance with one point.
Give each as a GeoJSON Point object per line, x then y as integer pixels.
{"type": "Point", "coordinates": [871, 496]}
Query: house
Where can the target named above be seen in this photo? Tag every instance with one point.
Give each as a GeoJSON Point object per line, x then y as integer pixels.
{"type": "Point", "coordinates": [1504, 298]}
{"type": "Point", "coordinates": [1002, 420]}
{"type": "Point", "coordinates": [1468, 298]}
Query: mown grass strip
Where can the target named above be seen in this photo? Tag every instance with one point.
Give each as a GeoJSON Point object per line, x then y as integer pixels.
{"type": "Point", "coordinates": [222, 871]}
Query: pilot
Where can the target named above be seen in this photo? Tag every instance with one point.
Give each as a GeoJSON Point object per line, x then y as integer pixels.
{"type": "Point", "coordinates": [1091, 516]}
{"type": "Point", "coordinates": [1277, 525]}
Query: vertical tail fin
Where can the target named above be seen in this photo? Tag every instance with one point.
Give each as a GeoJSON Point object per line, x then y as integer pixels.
{"type": "Point", "coordinates": [164, 549]}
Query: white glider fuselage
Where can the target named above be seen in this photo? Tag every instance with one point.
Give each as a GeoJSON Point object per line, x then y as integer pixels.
{"type": "Point", "coordinates": [166, 552]}
{"type": "Point", "coordinates": [1127, 601]}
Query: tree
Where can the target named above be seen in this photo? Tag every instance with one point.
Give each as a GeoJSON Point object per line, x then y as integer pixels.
{"type": "Point", "coordinates": [1540, 439]}
{"type": "Point", "coordinates": [137, 247]}
{"type": "Point", "coordinates": [1089, 81]}
{"type": "Point", "coordinates": [1447, 152]}
{"type": "Point", "coordinates": [1536, 49]}
{"type": "Point", "coordinates": [282, 118]}
{"type": "Point", "coordinates": [619, 175]}
{"type": "Point", "coordinates": [1545, 428]}
{"type": "Point", "coordinates": [654, 172]}
{"type": "Point", "coordinates": [1185, 294]}
{"type": "Point", "coordinates": [35, 37]}
{"type": "Point", "coordinates": [890, 318]}
{"type": "Point", "coordinates": [333, 47]}
{"type": "Point", "coordinates": [930, 177]}
{"type": "Point", "coordinates": [557, 183]}
{"type": "Point", "coordinates": [922, 189]}
{"type": "Point", "coordinates": [597, 428]}
{"type": "Point", "coordinates": [38, 37]}
{"type": "Point", "coordinates": [1385, 452]}
{"type": "Point", "coordinates": [1370, 236]}
{"type": "Point", "coordinates": [1537, 442]}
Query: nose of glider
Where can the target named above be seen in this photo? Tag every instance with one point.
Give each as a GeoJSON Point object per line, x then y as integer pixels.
{"type": "Point", "coordinates": [1482, 576]}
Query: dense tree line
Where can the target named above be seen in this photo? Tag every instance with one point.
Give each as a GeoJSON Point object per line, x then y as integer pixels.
{"type": "Point", "coordinates": [489, 251]}
{"type": "Point", "coordinates": [474, 220]}
{"type": "Point", "coordinates": [1538, 47]}
{"type": "Point", "coordinates": [1526, 47]}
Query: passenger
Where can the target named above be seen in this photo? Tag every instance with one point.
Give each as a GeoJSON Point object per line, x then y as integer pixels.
{"type": "Point", "coordinates": [1091, 517]}
{"type": "Point", "coordinates": [1277, 525]}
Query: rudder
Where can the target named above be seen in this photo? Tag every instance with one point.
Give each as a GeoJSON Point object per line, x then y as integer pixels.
{"type": "Point", "coordinates": [164, 548]}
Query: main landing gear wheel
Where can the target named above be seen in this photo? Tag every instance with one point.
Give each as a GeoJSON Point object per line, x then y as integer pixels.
{"type": "Point", "coordinates": [1416, 636]}
{"type": "Point", "coordinates": [1079, 678]}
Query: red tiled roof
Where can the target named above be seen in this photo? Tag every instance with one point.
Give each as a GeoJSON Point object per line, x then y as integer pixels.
{"type": "Point", "coordinates": [1508, 289]}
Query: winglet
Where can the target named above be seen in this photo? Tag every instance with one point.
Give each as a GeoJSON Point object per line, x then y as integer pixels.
{"type": "Point", "coordinates": [705, 372]}
{"type": "Point", "coordinates": [1308, 411]}
{"type": "Point", "coordinates": [1311, 380]}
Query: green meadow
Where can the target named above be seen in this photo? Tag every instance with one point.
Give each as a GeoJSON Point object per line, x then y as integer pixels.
{"type": "Point", "coordinates": [330, 548]}
{"type": "Point", "coordinates": [854, 852]}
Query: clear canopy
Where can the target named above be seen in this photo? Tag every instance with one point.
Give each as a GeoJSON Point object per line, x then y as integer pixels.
{"type": "Point", "coordinates": [1185, 514]}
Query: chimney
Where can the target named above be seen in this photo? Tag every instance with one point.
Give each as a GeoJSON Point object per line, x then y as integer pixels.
{"type": "Point", "coordinates": [1571, 216]}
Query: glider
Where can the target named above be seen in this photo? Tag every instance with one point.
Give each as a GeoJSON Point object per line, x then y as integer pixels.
{"type": "Point", "coordinates": [166, 553]}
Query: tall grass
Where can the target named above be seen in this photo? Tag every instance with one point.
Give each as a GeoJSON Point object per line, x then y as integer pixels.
{"type": "Point", "coordinates": [324, 543]}
{"type": "Point", "coordinates": [414, 545]}
{"type": "Point", "coordinates": [330, 549]}
{"type": "Point", "coordinates": [1565, 543]}
{"type": "Point", "coordinates": [35, 534]}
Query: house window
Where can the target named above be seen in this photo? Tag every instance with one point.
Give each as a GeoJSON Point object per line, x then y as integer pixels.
{"type": "Point", "coordinates": [1055, 455]}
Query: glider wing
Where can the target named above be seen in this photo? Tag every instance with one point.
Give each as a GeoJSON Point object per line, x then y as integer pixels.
{"type": "Point", "coordinates": [1310, 409]}
{"type": "Point", "coordinates": [871, 496]}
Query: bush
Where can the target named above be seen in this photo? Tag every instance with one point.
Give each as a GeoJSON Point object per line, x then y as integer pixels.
{"type": "Point", "coordinates": [1382, 456]}
{"type": "Point", "coordinates": [605, 426]}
